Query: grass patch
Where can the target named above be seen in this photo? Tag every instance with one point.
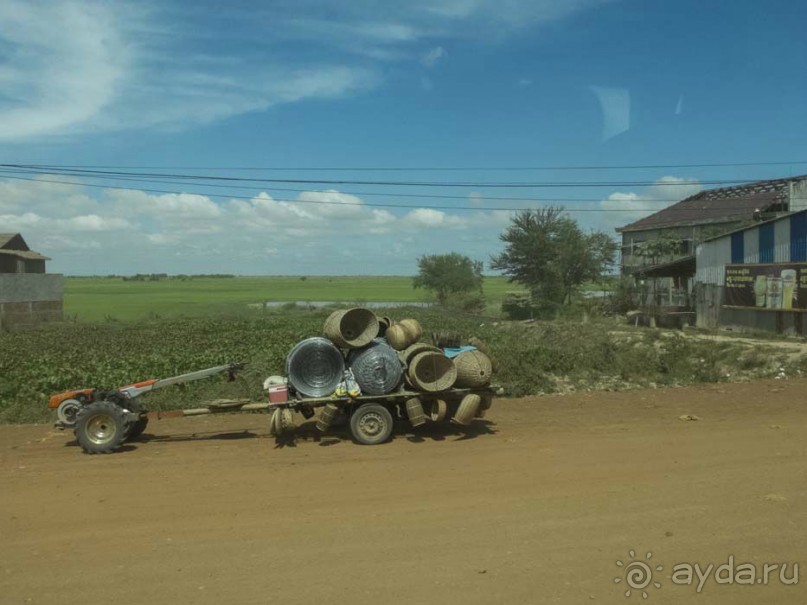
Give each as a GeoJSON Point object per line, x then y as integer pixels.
{"type": "Point", "coordinates": [111, 299]}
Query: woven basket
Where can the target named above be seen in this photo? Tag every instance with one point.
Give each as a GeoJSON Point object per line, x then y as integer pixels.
{"type": "Point", "coordinates": [467, 409]}
{"type": "Point", "coordinates": [487, 401]}
{"type": "Point", "coordinates": [412, 326]}
{"type": "Point", "coordinates": [327, 416]}
{"type": "Point", "coordinates": [351, 328]}
{"type": "Point", "coordinates": [376, 368]}
{"type": "Point", "coordinates": [473, 369]}
{"type": "Point", "coordinates": [419, 347]}
{"type": "Point", "coordinates": [414, 411]}
{"type": "Point", "coordinates": [383, 325]}
{"type": "Point", "coordinates": [432, 372]}
{"type": "Point", "coordinates": [397, 337]}
{"type": "Point", "coordinates": [314, 367]}
{"type": "Point", "coordinates": [438, 410]}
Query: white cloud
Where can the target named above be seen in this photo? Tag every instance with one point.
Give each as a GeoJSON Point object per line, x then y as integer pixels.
{"type": "Point", "coordinates": [93, 222]}
{"type": "Point", "coordinates": [432, 56]}
{"type": "Point", "coordinates": [73, 67]}
{"type": "Point", "coordinates": [63, 65]}
{"type": "Point", "coordinates": [627, 207]}
{"type": "Point", "coordinates": [131, 231]}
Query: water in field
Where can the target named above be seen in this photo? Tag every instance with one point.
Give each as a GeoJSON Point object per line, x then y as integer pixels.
{"type": "Point", "coordinates": [316, 304]}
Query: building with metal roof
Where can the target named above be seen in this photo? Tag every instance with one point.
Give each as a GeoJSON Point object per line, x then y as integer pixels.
{"type": "Point", "coordinates": [660, 249]}
{"type": "Point", "coordinates": [752, 278]}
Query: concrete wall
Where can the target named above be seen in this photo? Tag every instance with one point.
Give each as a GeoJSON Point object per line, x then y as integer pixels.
{"type": "Point", "coordinates": [30, 297]}
{"type": "Point", "coordinates": [798, 195]}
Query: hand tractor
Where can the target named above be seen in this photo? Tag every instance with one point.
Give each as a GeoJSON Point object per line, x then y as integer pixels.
{"type": "Point", "coordinates": [102, 420]}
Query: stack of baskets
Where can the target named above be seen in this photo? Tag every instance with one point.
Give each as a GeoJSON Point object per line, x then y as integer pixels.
{"type": "Point", "coordinates": [384, 356]}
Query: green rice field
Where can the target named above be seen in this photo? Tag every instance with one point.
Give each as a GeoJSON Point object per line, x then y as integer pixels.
{"type": "Point", "coordinates": [100, 298]}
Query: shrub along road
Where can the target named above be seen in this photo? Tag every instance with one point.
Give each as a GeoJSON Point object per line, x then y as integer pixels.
{"type": "Point", "coordinates": [534, 505]}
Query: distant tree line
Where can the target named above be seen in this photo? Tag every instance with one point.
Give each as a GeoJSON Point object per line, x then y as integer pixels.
{"type": "Point", "coordinates": [165, 276]}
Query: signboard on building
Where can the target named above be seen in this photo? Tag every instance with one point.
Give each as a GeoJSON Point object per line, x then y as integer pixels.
{"type": "Point", "coordinates": [767, 286]}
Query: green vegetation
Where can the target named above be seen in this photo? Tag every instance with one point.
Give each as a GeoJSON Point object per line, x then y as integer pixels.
{"type": "Point", "coordinates": [540, 357]}
{"type": "Point", "coordinates": [547, 253]}
{"type": "Point", "coordinates": [448, 274]}
{"type": "Point", "coordinates": [111, 298]}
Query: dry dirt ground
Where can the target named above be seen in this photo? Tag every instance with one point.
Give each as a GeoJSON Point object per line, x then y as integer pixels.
{"type": "Point", "coordinates": [534, 505]}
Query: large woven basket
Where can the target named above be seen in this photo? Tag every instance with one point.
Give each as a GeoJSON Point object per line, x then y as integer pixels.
{"type": "Point", "coordinates": [409, 353]}
{"type": "Point", "coordinates": [376, 368]}
{"type": "Point", "coordinates": [314, 367]}
{"type": "Point", "coordinates": [467, 409]}
{"type": "Point", "coordinates": [432, 372]}
{"type": "Point", "coordinates": [398, 337]}
{"type": "Point", "coordinates": [351, 328]}
{"type": "Point", "coordinates": [412, 326]}
{"type": "Point", "coordinates": [473, 369]}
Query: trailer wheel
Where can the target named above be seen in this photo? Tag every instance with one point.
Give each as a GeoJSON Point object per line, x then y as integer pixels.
{"type": "Point", "coordinates": [100, 427]}
{"type": "Point", "coordinates": [371, 424]}
{"type": "Point", "coordinates": [274, 424]}
{"type": "Point", "coordinates": [67, 412]}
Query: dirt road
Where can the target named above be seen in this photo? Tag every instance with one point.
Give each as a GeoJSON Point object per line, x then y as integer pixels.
{"type": "Point", "coordinates": [534, 506]}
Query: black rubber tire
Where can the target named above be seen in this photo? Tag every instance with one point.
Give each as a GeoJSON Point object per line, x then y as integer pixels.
{"type": "Point", "coordinates": [371, 424]}
{"type": "Point", "coordinates": [101, 427]}
{"type": "Point", "coordinates": [136, 429]}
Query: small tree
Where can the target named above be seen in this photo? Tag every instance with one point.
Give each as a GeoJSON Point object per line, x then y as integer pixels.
{"type": "Point", "coordinates": [547, 252]}
{"type": "Point", "coordinates": [447, 274]}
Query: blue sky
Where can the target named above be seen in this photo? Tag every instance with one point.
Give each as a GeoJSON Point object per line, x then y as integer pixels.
{"type": "Point", "coordinates": [203, 88]}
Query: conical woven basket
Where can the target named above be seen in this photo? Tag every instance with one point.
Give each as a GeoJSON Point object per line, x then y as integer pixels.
{"type": "Point", "coordinates": [473, 369]}
{"type": "Point", "coordinates": [432, 372]}
{"type": "Point", "coordinates": [351, 328]}
{"type": "Point", "coordinates": [376, 368]}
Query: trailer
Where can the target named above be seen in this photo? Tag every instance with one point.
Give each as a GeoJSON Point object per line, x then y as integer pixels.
{"type": "Point", "coordinates": [103, 421]}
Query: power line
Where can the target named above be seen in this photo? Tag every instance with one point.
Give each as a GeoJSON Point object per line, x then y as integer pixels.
{"type": "Point", "coordinates": [496, 185]}
{"type": "Point", "coordinates": [331, 202]}
{"type": "Point", "coordinates": [427, 168]}
{"type": "Point", "coordinates": [5, 171]}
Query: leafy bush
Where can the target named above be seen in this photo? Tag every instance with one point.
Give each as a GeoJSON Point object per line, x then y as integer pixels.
{"type": "Point", "coordinates": [517, 305]}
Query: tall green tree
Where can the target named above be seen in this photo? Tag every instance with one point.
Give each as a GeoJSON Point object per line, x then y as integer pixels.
{"type": "Point", "coordinates": [547, 252]}
{"type": "Point", "coordinates": [447, 274]}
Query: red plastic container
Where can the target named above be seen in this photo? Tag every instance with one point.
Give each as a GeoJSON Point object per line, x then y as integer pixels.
{"type": "Point", "coordinates": [278, 393]}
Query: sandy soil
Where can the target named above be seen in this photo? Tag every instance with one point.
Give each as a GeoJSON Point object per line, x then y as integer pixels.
{"type": "Point", "coordinates": [534, 505]}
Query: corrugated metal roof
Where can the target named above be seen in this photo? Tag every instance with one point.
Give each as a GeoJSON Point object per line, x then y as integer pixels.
{"type": "Point", "coordinates": [26, 254]}
{"type": "Point", "coordinates": [719, 205]}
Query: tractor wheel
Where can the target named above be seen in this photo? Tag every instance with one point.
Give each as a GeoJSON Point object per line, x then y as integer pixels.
{"type": "Point", "coordinates": [371, 424]}
{"type": "Point", "coordinates": [101, 427]}
{"type": "Point", "coordinates": [67, 412]}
